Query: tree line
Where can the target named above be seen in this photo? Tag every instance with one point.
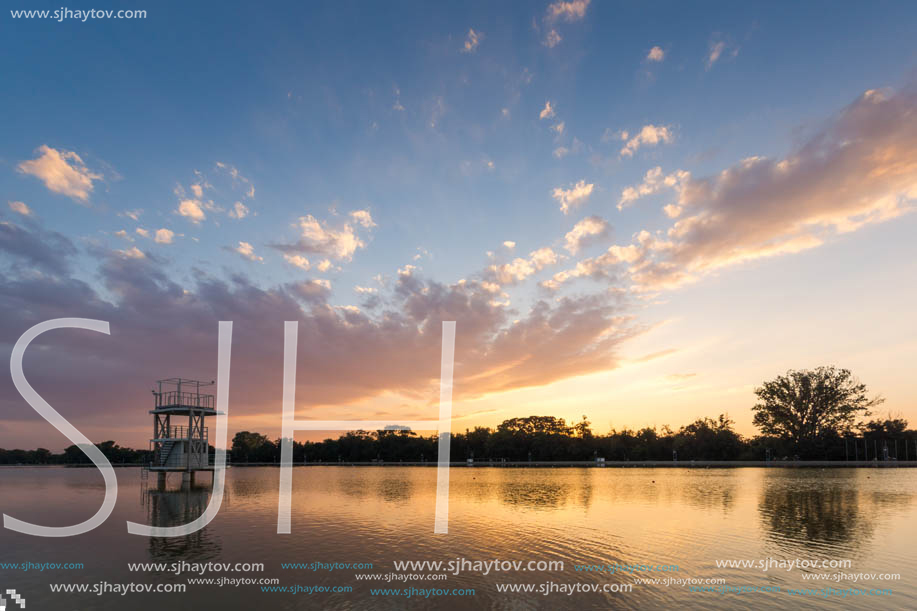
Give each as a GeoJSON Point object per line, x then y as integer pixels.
{"type": "Point", "coordinates": [73, 455]}
{"type": "Point", "coordinates": [818, 414]}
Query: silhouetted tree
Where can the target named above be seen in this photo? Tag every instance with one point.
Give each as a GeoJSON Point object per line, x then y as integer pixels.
{"type": "Point", "coordinates": [709, 439]}
{"type": "Point", "coordinates": [583, 428]}
{"type": "Point", "coordinates": [253, 447]}
{"type": "Point", "coordinates": [804, 405]}
{"type": "Point", "coordinates": [890, 427]}
{"type": "Point", "coordinates": [535, 424]}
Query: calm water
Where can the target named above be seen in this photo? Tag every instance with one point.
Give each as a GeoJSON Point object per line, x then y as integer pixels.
{"type": "Point", "coordinates": [683, 517]}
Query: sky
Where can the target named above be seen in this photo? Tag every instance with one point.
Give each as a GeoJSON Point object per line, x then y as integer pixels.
{"type": "Point", "coordinates": [636, 213]}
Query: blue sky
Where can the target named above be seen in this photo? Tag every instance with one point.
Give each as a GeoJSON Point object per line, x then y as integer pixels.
{"type": "Point", "coordinates": [452, 128]}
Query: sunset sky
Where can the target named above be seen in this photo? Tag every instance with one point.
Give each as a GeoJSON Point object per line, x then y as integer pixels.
{"type": "Point", "coordinates": [637, 215]}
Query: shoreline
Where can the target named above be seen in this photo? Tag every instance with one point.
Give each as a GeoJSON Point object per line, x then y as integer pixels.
{"type": "Point", "coordinates": [550, 464]}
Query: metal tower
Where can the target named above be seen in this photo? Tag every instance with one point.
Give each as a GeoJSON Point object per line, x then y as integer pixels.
{"type": "Point", "coordinates": [180, 437]}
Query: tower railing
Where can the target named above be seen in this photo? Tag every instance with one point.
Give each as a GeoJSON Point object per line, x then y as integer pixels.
{"type": "Point", "coordinates": [181, 432]}
{"type": "Point", "coordinates": [174, 398]}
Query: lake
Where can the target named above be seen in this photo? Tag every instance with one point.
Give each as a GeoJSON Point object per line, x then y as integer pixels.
{"type": "Point", "coordinates": [677, 522]}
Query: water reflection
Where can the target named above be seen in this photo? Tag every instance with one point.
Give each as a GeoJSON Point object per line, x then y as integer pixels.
{"type": "Point", "coordinates": [683, 517]}
{"type": "Point", "coordinates": [174, 508]}
{"type": "Point", "coordinates": [807, 511]}
{"type": "Point", "coordinates": [395, 489]}
{"type": "Point", "coordinates": [535, 495]}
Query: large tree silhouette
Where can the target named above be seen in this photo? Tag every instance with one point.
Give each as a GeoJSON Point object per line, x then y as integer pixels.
{"type": "Point", "coordinates": [803, 406]}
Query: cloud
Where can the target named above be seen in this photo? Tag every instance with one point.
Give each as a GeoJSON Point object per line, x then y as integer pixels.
{"type": "Point", "coordinates": [363, 217]}
{"type": "Point", "coordinates": [650, 135]}
{"type": "Point", "coordinates": [547, 112]}
{"type": "Point", "coordinates": [559, 127]}
{"type": "Point", "coordinates": [656, 54]}
{"type": "Point", "coordinates": [164, 236]}
{"type": "Point", "coordinates": [717, 48]}
{"type": "Point", "coordinates": [509, 244]}
{"type": "Point", "coordinates": [552, 39]}
{"type": "Point", "coordinates": [653, 181]}
{"type": "Point", "coordinates": [320, 237]}
{"type": "Point", "coordinates": [238, 181]}
{"type": "Point", "coordinates": [191, 209]}
{"type": "Point", "coordinates": [248, 251]}
{"type": "Point", "coordinates": [608, 265]}
{"type": "Point", "coordinates": [20, 208]}
{"type": "Point", "coordinates": [397, 105]}
{"type": "Point", "coordinates": [62, 172]}
{"type": "Point", "coordinates": [567, 11]}
{"type": "Point", "coordinates": [472, 41]}
{"type": "Point", "coordinates": [586, 232]}
{"type": "Point", "coordinates": [239, 211]}
{"type": "Point", "coordinates": [562, 11]}
{"type": "Point", "coordinates": [520, 268]}
{"type": "Point", "coordinates": [672, 210]}
{"type": "Point", "coordinates": [608, 135]}
{"type": "Point", "coordinates": [200, 202]}
{"type": "Point", "coordinates": [314, 291]}
{"type": "Point", "coordinates": [574, 196]}
{"type": "Point", "coordinates": [143, 232]}
{"type": "Point", "coordinates": [575, 147]}
{"type": "Point", "coordinates": [44, 251]}
{"type": "Point", "coordinates": [858, 169]}
{"type": "Point", "coordinates": [297, 261]}
{"type": "Point", "coordinates": [132, 253]}
{"type": "Point", "coordinates": [345, 354]}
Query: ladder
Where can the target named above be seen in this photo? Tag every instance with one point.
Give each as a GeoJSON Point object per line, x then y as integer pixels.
{"type": "Point", "coordinates": [164, 452]}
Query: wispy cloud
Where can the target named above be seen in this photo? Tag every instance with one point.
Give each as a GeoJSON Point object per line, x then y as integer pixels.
{"type": "Point", "coordinates": [587, 231]}
{"type": "Point", "coordinates": [20, 208]}
{"type": "Point", "coordinates": [649, 135]}
{"type": "Point", "coordinates": [718, 48]}
{"type": "Point", "coordinates": [239, 211]}
{"type": "Point", "coordinates": [574, 10]}
{"type": "Point", "coordinates": [472, 41]}
{"type": "Point", "coordinates": [248, 251]}
{"type": "Point", "coordinates": [567, 12]}
{"type": "Point", "coordinates": [521, 268]}
{"type": "Point", "coordinates": [339, 241]}
{"type": "Point", "coordinates": [191, 209]}
{"type": "Point", "coordinates": [62, 172]}
{"type": "Point", "coordinates": [653, 181]}
{"type": "Point", "coordinates": [350, 355]}
{"type": "Point", "coordinates": [224, 180]}
{"type": "Point", "coordinates": [547, 112]}
{"type": "Point", "coordinates": [656, 54]}
{"type": "Point", "coordinates": [573, 196]}
{"type": "Point", "coordinates": [859, 169]}
{"type": "Point", "coordinates": [552, 38]}
{"type": "Point", "coordinates": [164, 236]}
